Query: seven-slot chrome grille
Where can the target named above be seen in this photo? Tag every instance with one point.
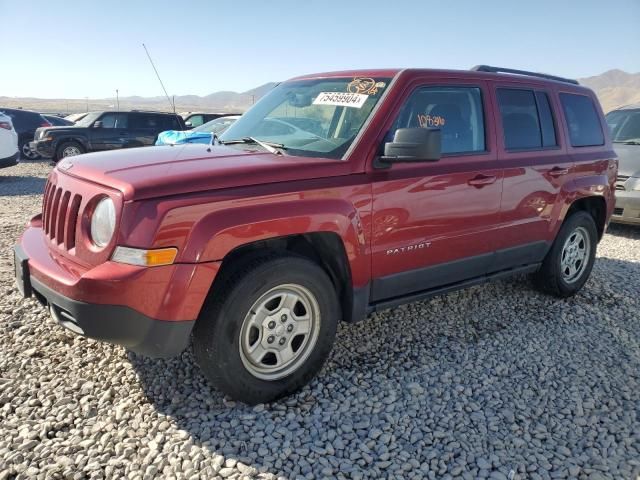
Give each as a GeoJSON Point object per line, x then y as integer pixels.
{"type": "Point", "coordinates": [60, 215]}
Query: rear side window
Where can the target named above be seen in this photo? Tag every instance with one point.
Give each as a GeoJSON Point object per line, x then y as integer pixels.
{"type": "Point", "coordinates": [145, 121]}
{"type": "Point", "coordinates": [582, 119]}
{"type": "Point", "coordinates": [456, 111]}
{"type": "Point", "coordinates": [527, 120]}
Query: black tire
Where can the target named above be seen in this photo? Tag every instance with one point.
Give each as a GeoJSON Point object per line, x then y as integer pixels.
{"type": "Point", "coordinates": [217, 334]}
{"type": "Point", "coordinates": [70, 145]}
{"type": "Point", "coordinates": [26, 153]}
{"type": "Point", "coordinates": [550, 278]}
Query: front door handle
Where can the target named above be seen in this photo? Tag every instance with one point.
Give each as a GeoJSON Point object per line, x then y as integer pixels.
{"type": "Point", "coordinates": [481, 180]}
{"type": "Point", "coordinates": [558, 171]}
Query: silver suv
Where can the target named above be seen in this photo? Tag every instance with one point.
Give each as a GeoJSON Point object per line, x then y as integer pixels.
{"type": "Point", "coordinates": [624, 123]}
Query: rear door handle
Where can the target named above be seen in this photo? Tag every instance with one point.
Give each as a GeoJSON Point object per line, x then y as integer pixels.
{"type": "Point", "coordinates": [481, 180]}
{"type": "Point", "coordinates": [558, 171]}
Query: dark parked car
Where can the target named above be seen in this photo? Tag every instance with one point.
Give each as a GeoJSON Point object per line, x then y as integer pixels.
{"type": "Point", "coordinates": [104, 131]}
{"type": "Point", "coordinates": [25, 123]}
{"type": "Point", "coordinates": [195, 119]}
{"type": "Point", "coordinates": [56, 121]}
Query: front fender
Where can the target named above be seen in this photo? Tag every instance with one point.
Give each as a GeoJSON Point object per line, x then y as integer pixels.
{"type": "Point", "coordinates": [219, 232]}
{"type": "Point", "coordinates": [81, 139]}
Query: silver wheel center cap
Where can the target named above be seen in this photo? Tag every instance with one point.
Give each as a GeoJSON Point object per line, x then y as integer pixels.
{"type": "Point", "coordinates": [279, 330]}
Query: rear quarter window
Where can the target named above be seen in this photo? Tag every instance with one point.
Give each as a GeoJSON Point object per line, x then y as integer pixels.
{"type": "Point", "coordinates": [582, 119]}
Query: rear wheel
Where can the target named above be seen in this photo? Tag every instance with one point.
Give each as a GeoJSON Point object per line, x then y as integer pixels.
{"type": "Point", "coordinates": [567, 266]}
{"type": "Point", "coordinates": [69, 149]}
{"type": "Point", "coordinates": [268, 329]}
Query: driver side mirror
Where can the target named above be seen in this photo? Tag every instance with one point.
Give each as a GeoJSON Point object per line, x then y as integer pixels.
{"type": "Point", "coordinates": [412, 145]}
{"type": "Point", "coordinates": [97, 124]}
{"type": "Point", "coordinates": [188, 125]}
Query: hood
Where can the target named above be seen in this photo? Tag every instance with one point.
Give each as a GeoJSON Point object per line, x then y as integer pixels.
{"type": "Point", "coordinates": [628, 159]}
{"type": "Point", "coordinates": [150, 172]}
{"type": "Point", "coordinates": [63, 128]}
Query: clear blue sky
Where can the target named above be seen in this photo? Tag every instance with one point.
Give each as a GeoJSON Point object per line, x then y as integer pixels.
{"type": "Point", "coordinates": [73, 49]}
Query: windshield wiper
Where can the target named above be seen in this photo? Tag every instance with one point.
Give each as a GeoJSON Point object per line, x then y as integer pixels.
{"type": "Point", "coordinates": [633, 141]}
{"type": "Point", "coordinates": [270, 147]}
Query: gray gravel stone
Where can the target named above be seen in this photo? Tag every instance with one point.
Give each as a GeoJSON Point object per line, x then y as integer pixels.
{"type": "Point", "coordinates": [494, 379]}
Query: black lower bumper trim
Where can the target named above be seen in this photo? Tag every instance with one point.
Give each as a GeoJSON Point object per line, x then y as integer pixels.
{"type": "Point", "coordinates": [117, 324]}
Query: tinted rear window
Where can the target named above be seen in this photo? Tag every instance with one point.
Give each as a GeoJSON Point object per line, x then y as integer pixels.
{"type": "Point", "coordinates": [582, 119]}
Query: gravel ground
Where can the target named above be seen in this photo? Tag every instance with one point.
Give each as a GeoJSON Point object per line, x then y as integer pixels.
{"type": "Point", "coordinates": [496, 382]}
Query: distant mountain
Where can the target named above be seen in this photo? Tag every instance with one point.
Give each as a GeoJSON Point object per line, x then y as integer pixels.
{"type": "Point", "coordinates": [615, 88]}
{"type": "Point", "coordinates": [225, 101]}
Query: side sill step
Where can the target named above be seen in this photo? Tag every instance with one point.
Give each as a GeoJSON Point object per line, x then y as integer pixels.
{"type": "Point", "coordinates": [424, 295]}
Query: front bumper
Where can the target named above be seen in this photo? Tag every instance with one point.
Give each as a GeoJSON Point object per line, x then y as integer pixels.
{"type": "Point", "coordinates": [627, 208]}
{"type": "Point", "coordinates": [150, 311]}
{"type": "Point", "coordinates": [43, 148]}
{"type": "Point", "coordinates": [10, 161]}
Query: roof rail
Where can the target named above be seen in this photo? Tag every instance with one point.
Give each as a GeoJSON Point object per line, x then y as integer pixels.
{"type": "Point", "coordinates": [488, 68]}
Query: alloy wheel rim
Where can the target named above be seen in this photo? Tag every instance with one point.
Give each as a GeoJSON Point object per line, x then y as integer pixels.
{"type": "Point", "coordinates": [70, 151]}
{"type": "Point", "coordinates": [279, 332]}
{"type": "Point", "coordinates": [27, 152]}
{"type": "Point", "coordinates": [575, 255]}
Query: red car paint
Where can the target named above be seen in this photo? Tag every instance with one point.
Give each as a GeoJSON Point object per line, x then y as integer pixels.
{"type": "Point", "coordinates": [390, 221]}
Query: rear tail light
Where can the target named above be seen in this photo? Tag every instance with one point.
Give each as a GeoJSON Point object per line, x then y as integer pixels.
{"type": "Point", "coordinates": [5, 125]}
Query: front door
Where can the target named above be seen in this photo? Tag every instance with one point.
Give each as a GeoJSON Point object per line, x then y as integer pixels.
{"type": "Point", "coordinates": [111, 133]}
{"type": "Point", "coordinates": [433, 222]}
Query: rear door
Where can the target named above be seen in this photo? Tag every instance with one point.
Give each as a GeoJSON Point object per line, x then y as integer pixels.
{"type": "Point", "coordinates": [533, 154]}
{"type": "Point", "coordinates": [112, 133]}
{"type": "Point", "coordinates": [434, 222]}
{"type": "Point", "coordinates": [145, 128]}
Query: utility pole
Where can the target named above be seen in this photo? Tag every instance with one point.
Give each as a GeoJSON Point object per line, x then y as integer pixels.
{"type": "Point", "coordinates": [87, 100]}
{"type": "Point", "coordinates": [117, 100]}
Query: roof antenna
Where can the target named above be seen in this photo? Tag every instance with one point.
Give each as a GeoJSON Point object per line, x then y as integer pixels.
{"type": "Point", "coordinates": [172, 105]}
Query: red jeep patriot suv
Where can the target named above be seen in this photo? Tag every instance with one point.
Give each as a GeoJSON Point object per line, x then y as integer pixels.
{"type": "Point", "coordinates": [336, 195]}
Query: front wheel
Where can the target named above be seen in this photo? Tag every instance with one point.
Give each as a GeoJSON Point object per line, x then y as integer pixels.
{"type": "Point", "coordinates": [69, 149]}
{"type": "Point", "coordinates": [567, 266]}
{"type": "Point", "coordinates": [28, 153]}
{"type": "Point", "coordinates": [268, 330]}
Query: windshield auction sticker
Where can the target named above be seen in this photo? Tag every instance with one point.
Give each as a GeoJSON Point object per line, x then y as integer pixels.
{"type": "Point", "coordinates": [339, 99]}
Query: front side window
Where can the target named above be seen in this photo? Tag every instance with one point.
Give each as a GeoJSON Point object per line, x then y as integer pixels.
{"type": "Point", "coordinates": [527, 120]}
{"type": "Point", "coordinates": [624, 125]}
{"type": "Point", "coordinates": [456, 111]}
{"type": "Point", "coordinates": [316, 118]}
{"type": "Point", "coordinates": [114, 120]}
{"type": "Point", "coordinates": [582, 120]}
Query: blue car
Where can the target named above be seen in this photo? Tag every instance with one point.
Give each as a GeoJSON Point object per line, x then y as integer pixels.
{"type": "Point", "coordinates": [201, 134]}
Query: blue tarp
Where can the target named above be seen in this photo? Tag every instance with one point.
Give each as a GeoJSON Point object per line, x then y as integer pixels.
{"type": "Point", "coordinates": [173, 137]}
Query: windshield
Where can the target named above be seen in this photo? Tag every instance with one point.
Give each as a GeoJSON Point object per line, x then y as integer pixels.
{"type": "Point", "coordinates": [218, 125]}
{"type": "Point", "coordinates": [88, 120]}
{"type": "Point", "coordinates": [315, 118]}
{"type": "Point", "coordinates": [624, 125]}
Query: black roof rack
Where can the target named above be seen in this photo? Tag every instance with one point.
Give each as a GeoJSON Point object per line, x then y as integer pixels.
{"type": "Point", "coordinates": [488, 68]}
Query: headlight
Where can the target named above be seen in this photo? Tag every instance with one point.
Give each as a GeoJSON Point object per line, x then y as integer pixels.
{"type": "Point", "coordinates": [103, 222]}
